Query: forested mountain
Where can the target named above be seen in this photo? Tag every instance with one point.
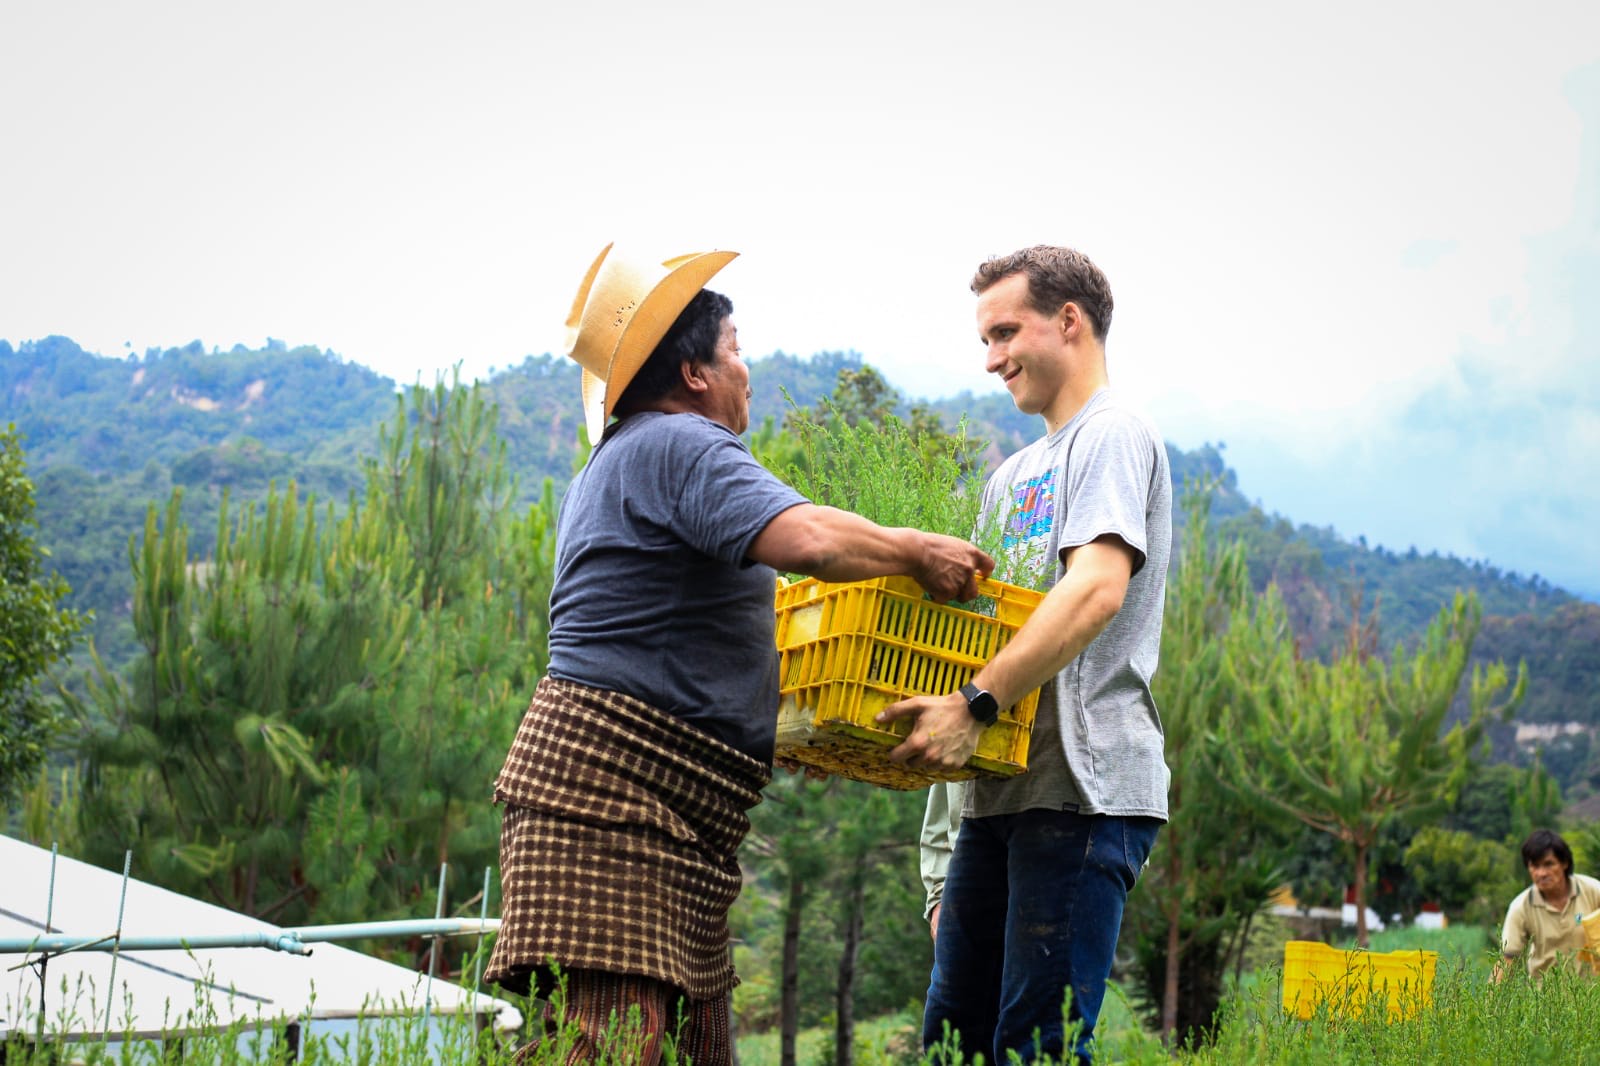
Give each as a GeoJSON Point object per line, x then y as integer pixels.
{"type": "Point", "coordinates": [107, 437]}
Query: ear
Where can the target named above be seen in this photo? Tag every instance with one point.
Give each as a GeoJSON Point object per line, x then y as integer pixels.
{"type": "Point", "coordinates": [692, 376]}
{"type": "Point", "coordinates": [1071, 319]}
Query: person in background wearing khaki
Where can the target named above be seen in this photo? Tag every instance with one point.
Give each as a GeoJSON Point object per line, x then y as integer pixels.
{"type": "Point", "coordinates": [1033, 898]}
{"type": "Point", "coordinates": [652, 732]}
{"type": "Point", "coordinates": [1546, 920]}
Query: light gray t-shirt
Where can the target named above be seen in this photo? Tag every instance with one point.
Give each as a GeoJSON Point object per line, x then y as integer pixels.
{"type": "Point", "coordinates": [1097, 742]}
{"type": "Point", "coordinates": [654, 595]}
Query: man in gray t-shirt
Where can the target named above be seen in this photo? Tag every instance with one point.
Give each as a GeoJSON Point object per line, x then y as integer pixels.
{"type": "Point", "coordinates": [1032, 899]}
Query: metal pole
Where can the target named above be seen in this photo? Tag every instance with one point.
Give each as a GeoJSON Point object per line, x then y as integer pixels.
{"type": "Point", "coordinates": [433, 955]}
{"type": "Point", "coordinates": [49, 915]}
{"type": "Point", "coordinates": [483, 917]}
{"type": "Point", "coordinates": [312, 934]}
{"type": "Point", "coordinates": [293, 941]}
{"type": "Point", "coordinates": [111, 992]}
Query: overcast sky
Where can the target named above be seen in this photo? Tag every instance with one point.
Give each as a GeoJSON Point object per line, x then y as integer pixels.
{"type": "Point", "coordinates": [1361, 246]}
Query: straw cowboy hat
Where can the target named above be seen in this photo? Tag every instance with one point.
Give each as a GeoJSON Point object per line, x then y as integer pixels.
{"type": "Point", "coordinates": [623, 309]}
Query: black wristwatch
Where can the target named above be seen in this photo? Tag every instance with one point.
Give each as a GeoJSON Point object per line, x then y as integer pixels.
{"type": "Point", "coordinates": [980, 704]}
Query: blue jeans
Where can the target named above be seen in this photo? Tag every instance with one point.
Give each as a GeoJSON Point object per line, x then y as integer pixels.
{"type": "Point", "coordinates": [1032, 906]}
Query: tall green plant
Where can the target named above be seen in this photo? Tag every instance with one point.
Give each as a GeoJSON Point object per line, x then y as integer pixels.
{"type": "Point", "coordinates": [35, 630]}
{"type": "Point", "coordinates": [1214, 865]}
{"type": "Point", "coordinates": [254, 668]}
{"type": "Point", "coordinates": [315, 719]}
{"type": "Point", "coordinates": [887, 473]}
{"type": "Point", "coordinates": [819, 846]}
{"type": "Point", "coordinates": [1350, 746]}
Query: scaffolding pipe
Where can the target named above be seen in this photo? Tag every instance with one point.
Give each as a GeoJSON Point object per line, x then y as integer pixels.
{"type": "Point", "coordinates": [49, 916]}
{"type": "Point", "coordinates": [483, 916]}
{"type": "Point", "coordinates": [116, 939]}
{"type": "Point", "coordinates": [433, 951]}
{"type": "Point", "coordinates": [293, 941]}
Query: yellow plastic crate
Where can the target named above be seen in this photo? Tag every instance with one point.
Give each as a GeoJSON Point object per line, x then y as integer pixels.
{"type": "Point", "coordinates": [1590, 955]}
{"type": "Point", "coordinates": [850, 649]}
{"type": "Point", "coordinates": [1315, 974]}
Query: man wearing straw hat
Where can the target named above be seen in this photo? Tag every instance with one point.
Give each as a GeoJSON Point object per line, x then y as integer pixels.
{"type": "Point", "coordinates": [1034, 886]}
{"type": "Point", "coordinates": [652, 732]}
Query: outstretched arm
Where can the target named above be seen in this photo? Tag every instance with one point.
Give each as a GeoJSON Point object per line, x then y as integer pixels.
{"type": "Point", "coordinates": [836, 545]}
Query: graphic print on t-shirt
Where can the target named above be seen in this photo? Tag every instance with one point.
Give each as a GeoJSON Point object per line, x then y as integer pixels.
{"type": "Point", "coordinates": [1033, 509]}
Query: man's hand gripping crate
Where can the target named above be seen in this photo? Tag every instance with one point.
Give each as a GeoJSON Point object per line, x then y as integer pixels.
{"type": "Point", "coordinates": [848, 650]}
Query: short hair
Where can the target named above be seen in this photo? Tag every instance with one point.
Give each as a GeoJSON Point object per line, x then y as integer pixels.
{"type": "Point", "coordinates": [691, 339]}
{"type": "Point", "coordinates": [1546, 840]}
{"type": "Point", "coordinates": [1055, 276]}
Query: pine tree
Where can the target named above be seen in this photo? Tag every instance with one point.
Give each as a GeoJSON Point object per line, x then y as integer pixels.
{"type": "Point", "coordinates": [1350, 746]}
{"type": "Point", "coordinates": [1214, 865]}
{"type": "Point", "coordinates": [317, 713]}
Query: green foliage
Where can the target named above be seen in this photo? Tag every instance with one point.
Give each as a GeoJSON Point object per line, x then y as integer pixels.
{"type": "Point", "coordinates": [892, 472]}
{"type": "Point", "coordinates": [339, 683]}
{"type": "Point", "coordinates": [1467, 876]}
{"type": "Point", "coordinates": [819, 847]}
{"type": "Point", "coordinates": [1562, 648]}
{"type": "Point", "coordinates": [1584, 840]}
{"type": "Point", "coordinates": [35, 630]}
{"type": "Point", "coordinates": [113, 435]}
{"type": "Point", "coordinates": [1214, 865]}
{"type": "Point", "coordinates": [1471, 1020]}
{"type": "Point", "coordinates": [316, 714]}
{"type": "Point", "coordinates": [825, 857]}
{"type": "Point", "coordinates": [386, 1033]}
{"type": "Point", "coordinates": [112, 415]}
{"type": "Point", "coordinates": [109, 435]}
{"type": "Point", "coordinates": [1349, 747]}
{"type": "Point", "coordinates": [540, 419]}
{"type": "Point", "coordinates": [48, 813]}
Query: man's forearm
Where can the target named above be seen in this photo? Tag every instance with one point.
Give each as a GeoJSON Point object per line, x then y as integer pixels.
{"type": "Point", "coordinates": [1071, 616]}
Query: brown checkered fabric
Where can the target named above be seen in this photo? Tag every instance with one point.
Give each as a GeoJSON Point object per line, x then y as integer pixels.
{"type": "Point", "coordinates": [618, 846]}
{"type": "Point", "coordinates": [624, 1018]}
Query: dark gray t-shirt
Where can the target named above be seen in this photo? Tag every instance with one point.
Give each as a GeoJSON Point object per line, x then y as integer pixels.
{"type": "Point", "coordinates": [653, 594]}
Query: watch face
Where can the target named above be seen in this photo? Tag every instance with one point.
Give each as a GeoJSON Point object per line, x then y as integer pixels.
{"type": "Point", "coordinates": [981, 704]}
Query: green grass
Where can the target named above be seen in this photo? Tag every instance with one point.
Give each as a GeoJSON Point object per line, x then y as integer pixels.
{"type": "Point", "coordinates": [1471, 1021]}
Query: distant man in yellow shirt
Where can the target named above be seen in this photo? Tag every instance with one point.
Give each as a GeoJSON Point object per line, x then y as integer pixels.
{"type": "Point", "coordinates": [1546, 920]}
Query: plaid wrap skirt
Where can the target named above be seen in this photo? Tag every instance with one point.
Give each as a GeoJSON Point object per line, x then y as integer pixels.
{"type": "Point", "coordinates": [619, 843]}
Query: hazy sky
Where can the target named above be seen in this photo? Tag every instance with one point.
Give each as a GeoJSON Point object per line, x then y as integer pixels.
{"type": "Point", "coordinates": [1359, 245]}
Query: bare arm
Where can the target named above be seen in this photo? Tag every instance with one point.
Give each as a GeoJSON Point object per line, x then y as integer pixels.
{"type": "Point", "coordinates": [836, 545]}
{"type": "Point", "coordinates": [1080, 606]}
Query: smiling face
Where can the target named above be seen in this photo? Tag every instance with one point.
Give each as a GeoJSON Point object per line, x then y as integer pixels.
{"type": "Point", "coordinates": [1027, 349]}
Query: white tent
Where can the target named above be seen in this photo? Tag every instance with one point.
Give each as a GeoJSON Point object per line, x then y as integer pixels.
{"type": "Point", "coordinates": [271, 995]}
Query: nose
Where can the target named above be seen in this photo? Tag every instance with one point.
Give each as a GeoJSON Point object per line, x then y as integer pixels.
{"type": "Point", "coordinates": [994, 359]}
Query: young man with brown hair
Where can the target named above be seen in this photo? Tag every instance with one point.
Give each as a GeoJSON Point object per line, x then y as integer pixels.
{"type": "Point", "coordinates": [1042, 865]}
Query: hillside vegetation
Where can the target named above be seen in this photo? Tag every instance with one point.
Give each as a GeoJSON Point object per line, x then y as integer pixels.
{"type": "Point", "coordinates": [107, 437]}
